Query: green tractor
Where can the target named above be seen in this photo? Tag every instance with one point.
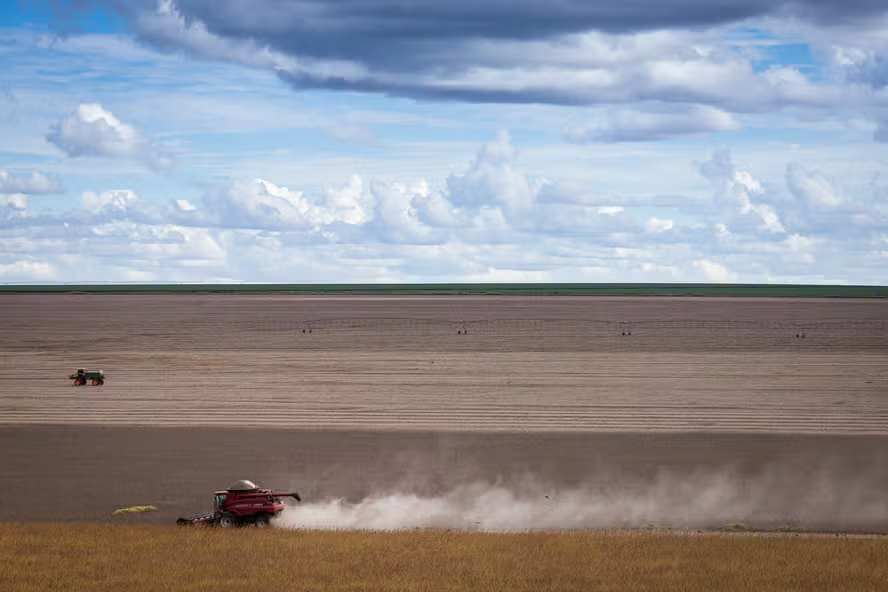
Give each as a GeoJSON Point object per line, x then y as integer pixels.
{"type": "Point", "coordinates": [82, 376]}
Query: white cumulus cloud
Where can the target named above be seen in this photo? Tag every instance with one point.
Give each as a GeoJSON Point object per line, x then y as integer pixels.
{"type": "Point", "coordinates": [742, 193]}
{"type": "Point", "coordinates": [640, 126]}
{"type": "Point", "coordinates": [109, 201]}
{"type": "Point", "coordinates": [714, 271]}
{"type": "Point", "coordinates": [492, 180]}
{"type": "Point", "coordinates": [33, 184]}
{"type": "Point", "coordinates": [91, 130]}
{"type": "Point", "coordinates": [654, 224]}
{"type": "Point", "coordinates": [489, 220]}
{"type": "Point", "coordinates": [812, 187]}
{"type": "Point", "coordinates": [28, 270]}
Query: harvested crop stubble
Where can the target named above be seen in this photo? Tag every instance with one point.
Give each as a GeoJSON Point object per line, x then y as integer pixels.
{"type": "Point", "coordinates": [92, 557]}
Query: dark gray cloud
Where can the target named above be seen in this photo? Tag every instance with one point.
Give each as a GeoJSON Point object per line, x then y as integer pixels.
{"type": "Point", "coordinates": [335, 27]}
{"type": "Point", "coordinates": [867, 67]}
{"type": "Point", "coordinates": [340, 27]}
{"type": "Point", "coordinates": [405, 36]}
{"type": "Point", "coordinates": [579, 70]}
{"type": "Point", "coordinates": [567, 52]}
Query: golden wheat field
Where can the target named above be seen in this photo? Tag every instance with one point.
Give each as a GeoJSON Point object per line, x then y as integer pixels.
{"type": "Point", "coordinates": [88, 557]}
{"type": "Point", "coordinates": [81, 557]}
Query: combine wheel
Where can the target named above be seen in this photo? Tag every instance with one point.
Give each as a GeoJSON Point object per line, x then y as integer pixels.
{"type": "Point", "coordinates": [262, 521]}
{"type": "Point", "coordinates": [227, 520]}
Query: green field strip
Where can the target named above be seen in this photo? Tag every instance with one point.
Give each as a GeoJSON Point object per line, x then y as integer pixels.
{"type": "Point", "coordinates": [504, 289]}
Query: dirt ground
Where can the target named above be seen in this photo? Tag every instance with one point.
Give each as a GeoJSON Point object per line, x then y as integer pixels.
{"type": "Point", "coordinates": [80, 473]}
{"type": "Point", "coordinates": [347, 396]}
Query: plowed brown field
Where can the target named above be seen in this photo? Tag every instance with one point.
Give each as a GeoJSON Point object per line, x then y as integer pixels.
{"type": "Point", "coordinates": [413, 385]}
{"type": "Point", "coordinates": [457, 363]}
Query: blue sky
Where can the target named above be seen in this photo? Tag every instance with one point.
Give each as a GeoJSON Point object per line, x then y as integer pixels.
{"type": "Point", "coordinates": [308, 141]}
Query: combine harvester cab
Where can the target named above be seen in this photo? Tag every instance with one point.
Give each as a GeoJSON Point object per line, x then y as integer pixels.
{"type": "Point", "coordinates": [82, 376]}
{"type": "Point", "coordinates": [243, 504]}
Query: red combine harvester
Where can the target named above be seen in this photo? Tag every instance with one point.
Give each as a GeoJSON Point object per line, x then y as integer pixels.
{"type": "Point", "coordinates": [242, 504]}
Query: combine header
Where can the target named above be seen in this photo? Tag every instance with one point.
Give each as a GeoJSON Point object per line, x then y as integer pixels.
{"type": "Point", "coordinates": [242, 504]}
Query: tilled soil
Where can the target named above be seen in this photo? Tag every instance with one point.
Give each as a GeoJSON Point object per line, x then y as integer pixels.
{"type": "Point", "coordinates": [456, 363]}
{"type": "Point", "coordinates": [360, 394]}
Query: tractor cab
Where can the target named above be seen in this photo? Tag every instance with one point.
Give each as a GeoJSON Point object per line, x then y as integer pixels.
{"type": "Point", "coordinates": [235, 493]}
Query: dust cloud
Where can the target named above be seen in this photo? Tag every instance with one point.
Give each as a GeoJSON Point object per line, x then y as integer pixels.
{"type": "Point", "coordinates": [769, 500]}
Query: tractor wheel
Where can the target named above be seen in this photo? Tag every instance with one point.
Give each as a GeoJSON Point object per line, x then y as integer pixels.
{"type": "Point", "coordinates": [95, 382]}
{"type": "Point", "coordinates": [227, 520]}
{"type": "Point", "coordinates": [77, 382]}
{"type": "Point", "coordinates": [262, 521]}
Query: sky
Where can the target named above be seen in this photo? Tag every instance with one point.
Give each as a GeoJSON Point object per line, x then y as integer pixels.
{"type": "Point", "coordinates": [344, 141]}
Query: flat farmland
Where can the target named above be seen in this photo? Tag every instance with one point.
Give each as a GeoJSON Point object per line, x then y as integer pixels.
{"type": "Point", "coordinates": [449, 363]}
{"type": "Point", "coordinates": [767, 408]}
{"type": "Point", "coordinates": [486, 391]}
